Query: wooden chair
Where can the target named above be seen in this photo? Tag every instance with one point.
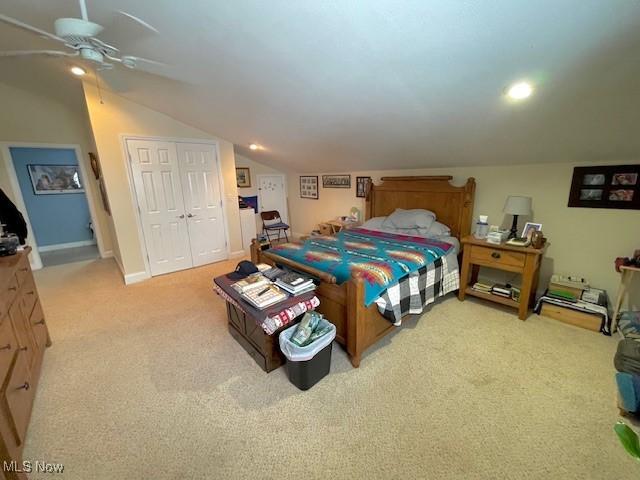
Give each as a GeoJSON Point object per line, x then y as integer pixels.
{"type": "Point", "coordinates": [275, 224]}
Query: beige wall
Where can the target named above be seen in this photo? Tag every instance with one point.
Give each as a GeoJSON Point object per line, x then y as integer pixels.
{"type": "Point", "coordinates": [583, 241]}
{"type": "Point", "coordinates": [33, 116]}
{"type": "Point", "coordinates": [112, 119]}
{"type": "Point", "coordinates": [255, 169]}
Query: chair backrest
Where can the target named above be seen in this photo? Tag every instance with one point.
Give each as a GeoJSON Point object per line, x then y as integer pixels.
{"type": "Point", "coordinates": [270, 215]}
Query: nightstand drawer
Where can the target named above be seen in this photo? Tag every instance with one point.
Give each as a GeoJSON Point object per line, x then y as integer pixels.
{"type": "Point", "coordinates": [490, 256]}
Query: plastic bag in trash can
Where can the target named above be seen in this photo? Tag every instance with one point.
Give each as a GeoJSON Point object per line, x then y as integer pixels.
{"type": "Point", "coordinates": [302, 334]}
{"type": "Point", "coordinates": [302, 354]}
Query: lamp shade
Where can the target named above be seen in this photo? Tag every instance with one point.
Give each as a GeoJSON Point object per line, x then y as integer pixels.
{"type": "Point", "coordinates": [516, 205]}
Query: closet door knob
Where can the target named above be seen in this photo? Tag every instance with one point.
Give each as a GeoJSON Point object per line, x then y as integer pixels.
{"type": "Point", "coordinates": [495, 255]}
{"type": "Point", "coordinates": [189, 215]}
{"type": "Point", "coordinates": [25, 385]}
{"type": "Point", "coordinates": [180, 216]}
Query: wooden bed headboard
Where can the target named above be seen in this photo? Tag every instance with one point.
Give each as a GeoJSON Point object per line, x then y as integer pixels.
{"type": "Point", "coordinates": [452, 205]}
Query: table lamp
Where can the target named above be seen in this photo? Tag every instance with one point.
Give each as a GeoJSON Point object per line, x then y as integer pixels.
{"type": "Point", "coordinates": [516, 205]}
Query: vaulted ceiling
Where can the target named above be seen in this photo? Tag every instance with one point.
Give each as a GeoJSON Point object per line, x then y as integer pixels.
{"type": "Point", "coordinates": [353, 85]}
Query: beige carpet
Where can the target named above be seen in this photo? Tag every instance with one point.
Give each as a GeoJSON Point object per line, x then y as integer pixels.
{"type": "Point", "coordinates": [145, 382]}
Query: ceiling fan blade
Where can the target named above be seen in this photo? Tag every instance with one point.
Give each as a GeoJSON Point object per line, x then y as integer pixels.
{"type": "Point", "coordinates": [53, 53]}
{"type": "Point", "coordinates": [143, 60]}
{"type": "Point", "coordinates": [30, 28]}
{"type": "Point", "coordinates": [139, 21]}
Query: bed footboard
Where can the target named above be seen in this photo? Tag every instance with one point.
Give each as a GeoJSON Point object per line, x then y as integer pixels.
{"type": "Point", "coordinates": [357, 327]}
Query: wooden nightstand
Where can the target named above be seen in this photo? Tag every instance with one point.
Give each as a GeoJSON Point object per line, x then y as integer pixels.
{"type": "Point", "coordinates": [525, 261]}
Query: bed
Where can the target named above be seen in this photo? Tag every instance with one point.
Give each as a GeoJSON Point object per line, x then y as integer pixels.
{"type": "Point", "coordinates": [347, 303]}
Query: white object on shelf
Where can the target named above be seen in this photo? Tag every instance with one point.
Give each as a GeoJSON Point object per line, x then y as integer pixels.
{"type": "Point", "coordinates": [248, 227]}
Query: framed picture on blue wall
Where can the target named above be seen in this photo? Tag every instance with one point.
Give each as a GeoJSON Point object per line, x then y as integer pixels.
{"type": "Point", "coordinates": [55, 179]}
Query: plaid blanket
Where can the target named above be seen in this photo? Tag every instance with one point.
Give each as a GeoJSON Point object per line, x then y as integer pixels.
{"type": "Point", "coordinates": [420, 288]}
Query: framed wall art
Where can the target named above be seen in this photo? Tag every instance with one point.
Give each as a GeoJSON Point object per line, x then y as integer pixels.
{"type": "Point", "coordinates": [336, 181]}
{"type": "Point", "coordinates": [55, 179]}
{"type": "Point", "coordinates": [607, 186]}
{"type": "Point", "coordinates": [243, 177]}
{"type": "Point", "coordinates": [309, 186]}
{"type": "Point", "coordinates": [362, 183]}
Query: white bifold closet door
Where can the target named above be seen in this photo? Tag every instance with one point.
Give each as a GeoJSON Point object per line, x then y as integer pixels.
{"type": "Point", "coordinates": [178, 193]}
{"type": "Point", "coordinates": [203, 202]}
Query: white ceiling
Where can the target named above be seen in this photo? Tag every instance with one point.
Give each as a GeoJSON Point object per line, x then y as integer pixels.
{"type": "Point", "coordinates": [353, 84]}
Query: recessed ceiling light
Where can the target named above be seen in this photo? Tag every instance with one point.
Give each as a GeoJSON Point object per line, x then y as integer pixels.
{"type": "Point", "coordinates": [520, 91]}
{"type": "Point", "coordinates": [254, 146]}
{"type": "Point", "coordinates": [78, 71]}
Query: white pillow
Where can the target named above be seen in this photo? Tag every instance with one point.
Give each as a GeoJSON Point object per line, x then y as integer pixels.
{"type": "Point", "coordinates": [374, 223]}
{"type": "Point", "coordinates": [438, 229]}
{"type": "Point", "coordinates": [415, 218]}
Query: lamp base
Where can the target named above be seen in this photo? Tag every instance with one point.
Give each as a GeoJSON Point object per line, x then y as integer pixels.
{"type": "Point", "coordinates": [514, 228]}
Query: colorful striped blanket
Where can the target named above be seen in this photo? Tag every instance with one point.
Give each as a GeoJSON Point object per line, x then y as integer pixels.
{"type": "Point", "coordinates": [379, 258]}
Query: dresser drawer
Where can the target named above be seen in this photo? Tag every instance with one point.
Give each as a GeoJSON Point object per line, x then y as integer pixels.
{"type": "Point", "coordinates": [8, 347]}
{"type": "Point", "coordinates": [38, 326]}
{"type": "Point", "coordinates": [23, 271]}
{"type": "Point", "coordinates": [8, 295]}
{"type": "Point", "coordinates": [28, 294]}
{"type": "Point", "coordinates": [489, 256]}
{"type": "Point", "coordinates": [19, 396]}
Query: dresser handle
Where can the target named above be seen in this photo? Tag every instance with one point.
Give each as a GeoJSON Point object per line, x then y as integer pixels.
{"type": "Point", "coordinates": [31, 292]}
{"type": "Point", "coordinates": [40, 322]}
{"type": "Point", "coordinates": [13, 289]}
{"type": "Point", "coordinates": [23, 349]}
{"type": "Point", "coordinates": [495, 255]}
{"type": "Point", "coordinates": [25, 385]}
{"type": "Point", "coordinates": [24, 269]}
{"type": "Point", "coordinates": [6, 347]}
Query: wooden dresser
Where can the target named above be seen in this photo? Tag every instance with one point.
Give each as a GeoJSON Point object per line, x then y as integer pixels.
{"type": "Point", "coordinates": [23, 339]}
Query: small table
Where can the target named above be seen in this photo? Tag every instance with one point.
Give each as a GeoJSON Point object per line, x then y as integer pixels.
{"type": "Point", "coordinates": [339, 225]}
{"type": "Point", "coordinates": [523, 260]}
{"type": "Point", "coordinates": [245, 323]}
{"type": "Point", "coordinates": [626, 272]}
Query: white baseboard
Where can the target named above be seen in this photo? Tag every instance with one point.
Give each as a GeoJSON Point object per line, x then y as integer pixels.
{"type": "Point", "coordinates": [238, 254]}
{"type": "Point", "coordinates": [62, 246]}
{"type": "Point", "coordinates": [130, 278]}
{"type": "Point", "coordinates": [107, 254]}
{"type": "Point", "coordinates": [135, 277]}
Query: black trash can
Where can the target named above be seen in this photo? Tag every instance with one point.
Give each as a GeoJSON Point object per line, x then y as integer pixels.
{"type": "Point", "coordinates": [307, 365]}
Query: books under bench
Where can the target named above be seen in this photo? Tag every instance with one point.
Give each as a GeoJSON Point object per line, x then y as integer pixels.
{"type": "Point", "coordinates": [272, 285]}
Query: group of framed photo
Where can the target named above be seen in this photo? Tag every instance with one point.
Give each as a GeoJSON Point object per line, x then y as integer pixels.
{"type": "Point", "coordinates": [310, 185]}
{"type": "Point", "coordinates": [609, 186]}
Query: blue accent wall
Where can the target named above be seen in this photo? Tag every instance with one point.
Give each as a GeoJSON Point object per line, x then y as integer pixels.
{"type": "Point", "coordinates": [61, 218]}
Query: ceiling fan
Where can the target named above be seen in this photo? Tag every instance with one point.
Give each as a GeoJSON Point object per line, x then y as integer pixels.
{"type": "Point", "coordinates": [80, 35]}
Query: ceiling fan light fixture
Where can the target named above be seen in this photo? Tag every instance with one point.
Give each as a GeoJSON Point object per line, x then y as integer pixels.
{"type": "Point", "coordinates": [254, 146]}
{"type": "Point", "coordinates": [78, 71]}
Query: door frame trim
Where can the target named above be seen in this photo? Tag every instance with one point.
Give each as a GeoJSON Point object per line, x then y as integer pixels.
{"type": "Point", "coordinates": [134, 201]}
{"type": "Point", "coordinates": [5, 153]}
{"type": "Point", "coordinates": [284, 183]}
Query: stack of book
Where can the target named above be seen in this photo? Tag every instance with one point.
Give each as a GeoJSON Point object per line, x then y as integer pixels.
{"type": "Point", "coordinates": [482, 287]}
{"type": "Point", "coordinates": [264, 297]}
{"type": "Point", "coordinates": [257, 280]}
{"type": "Point", "coordinates": [295, 283]}
{"type": "Point", "coordinates": [259, 291]}
{"type": "Point", "coordinates": [501, 290]}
